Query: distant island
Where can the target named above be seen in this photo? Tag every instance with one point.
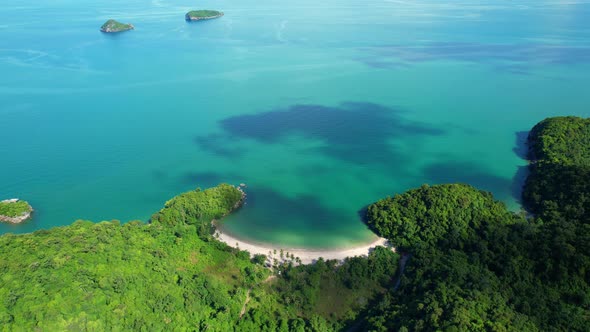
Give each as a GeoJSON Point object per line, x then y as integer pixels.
{"type": "Point", "coordinates": [111, 26]}
{"type": "Point", "coordinates": [15, 211]}
{"type": "Point", "coordinates": [197, 15]}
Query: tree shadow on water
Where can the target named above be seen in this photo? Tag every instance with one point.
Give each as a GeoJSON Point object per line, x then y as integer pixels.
{"type": "Point", "coordinates": [469, 173]}
{"type": "Point", "coordinates": [302, 217]}
{"type": "Point", "coordinates": [481, 178]}
{"type": "Point", "coordinates": [521, 149]}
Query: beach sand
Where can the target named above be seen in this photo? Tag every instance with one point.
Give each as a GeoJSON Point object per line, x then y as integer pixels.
{"type": "Point", "coordinates": [307, 256]}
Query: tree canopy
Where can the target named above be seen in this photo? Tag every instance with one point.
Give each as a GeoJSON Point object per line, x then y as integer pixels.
{"type": "Point", "coordinates": [562, 140]}
{"type": "Point", "coordinates": [476, 266]}
{"type": "Point", "coordinates": [442, 215]}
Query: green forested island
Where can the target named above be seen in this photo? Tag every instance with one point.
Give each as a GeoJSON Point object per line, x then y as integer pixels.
{"type": "Point", "coordinates": [464, 263]}
{"type": "Point", "coordinates": [196, 15]}
{"type": "Point", "coordinates": [111, 26]}
{"type": "Point", "coordinates": [15, 210]}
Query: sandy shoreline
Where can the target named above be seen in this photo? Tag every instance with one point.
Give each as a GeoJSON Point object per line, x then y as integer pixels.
{"type": "Point", "coordinates": [307, 256]}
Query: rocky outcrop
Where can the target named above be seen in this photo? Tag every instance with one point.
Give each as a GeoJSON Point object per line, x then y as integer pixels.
{"type": "Point", "coordinates": [242, 201]}
{"type": "Point", "coordinates": [112, 26]}
{"type": "Point", "coordinates": [25, 215]}
{"type": "Point", "coordinates": [192, 17]}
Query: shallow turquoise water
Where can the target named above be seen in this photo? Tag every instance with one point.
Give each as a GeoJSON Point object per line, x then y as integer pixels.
{"type": "Point", "coordinates": [320, 109]}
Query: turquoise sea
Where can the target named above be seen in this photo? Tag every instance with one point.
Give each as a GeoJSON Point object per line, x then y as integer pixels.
{"type": "Point", "coordinates": [319, 107]}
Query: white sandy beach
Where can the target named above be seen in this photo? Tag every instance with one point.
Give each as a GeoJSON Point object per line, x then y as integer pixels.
{"type": "Point", "coordinates": [307, 256]}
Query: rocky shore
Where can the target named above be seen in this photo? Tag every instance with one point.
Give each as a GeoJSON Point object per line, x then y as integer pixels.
{"type": "Point", "coordinates": [243, 200]}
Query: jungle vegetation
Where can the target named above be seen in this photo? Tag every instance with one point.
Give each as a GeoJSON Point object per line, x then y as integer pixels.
{"type": "Point", "coordinates": [171, 274]}
{"type": "Point", "coordinates": [475, 266]}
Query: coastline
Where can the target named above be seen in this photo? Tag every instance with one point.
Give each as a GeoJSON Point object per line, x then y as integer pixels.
{"type": "Point", "coordinates": [306, 256]}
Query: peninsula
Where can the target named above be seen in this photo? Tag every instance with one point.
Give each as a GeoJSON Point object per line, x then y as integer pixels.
{"type": "Point", "coordinates": [15, 211]}
{"type": "Point", "coordinates": [111, 26]}
{"type": "Point", "coordinates": [197, 15]}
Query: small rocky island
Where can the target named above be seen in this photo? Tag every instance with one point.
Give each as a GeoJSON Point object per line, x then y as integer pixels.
{"type": "Point", "coordinates": [197, 15]}
{"type": "Point", "coordinates": [111, 26]}
{"type": "Point", "coordinates": [15, 211]}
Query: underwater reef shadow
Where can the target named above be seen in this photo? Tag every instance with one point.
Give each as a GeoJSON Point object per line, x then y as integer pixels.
{"type": "Point", "coordinates": [353, 132]}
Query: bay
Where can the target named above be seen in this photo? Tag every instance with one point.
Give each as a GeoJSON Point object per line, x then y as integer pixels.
{"type": "Point", "coordinates": [320, 109]}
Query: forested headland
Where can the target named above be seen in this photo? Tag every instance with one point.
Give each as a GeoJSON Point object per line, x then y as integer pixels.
{"type": "Point", "coordinates": [470, 264]}
{"type": "Point", "coordinates": [475, 266]}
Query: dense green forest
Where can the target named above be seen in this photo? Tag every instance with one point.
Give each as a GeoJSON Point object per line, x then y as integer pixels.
{"type": "Point", "coordinates": [467, 263]}
{"type": "Point", "coordinates": [476, 266]}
